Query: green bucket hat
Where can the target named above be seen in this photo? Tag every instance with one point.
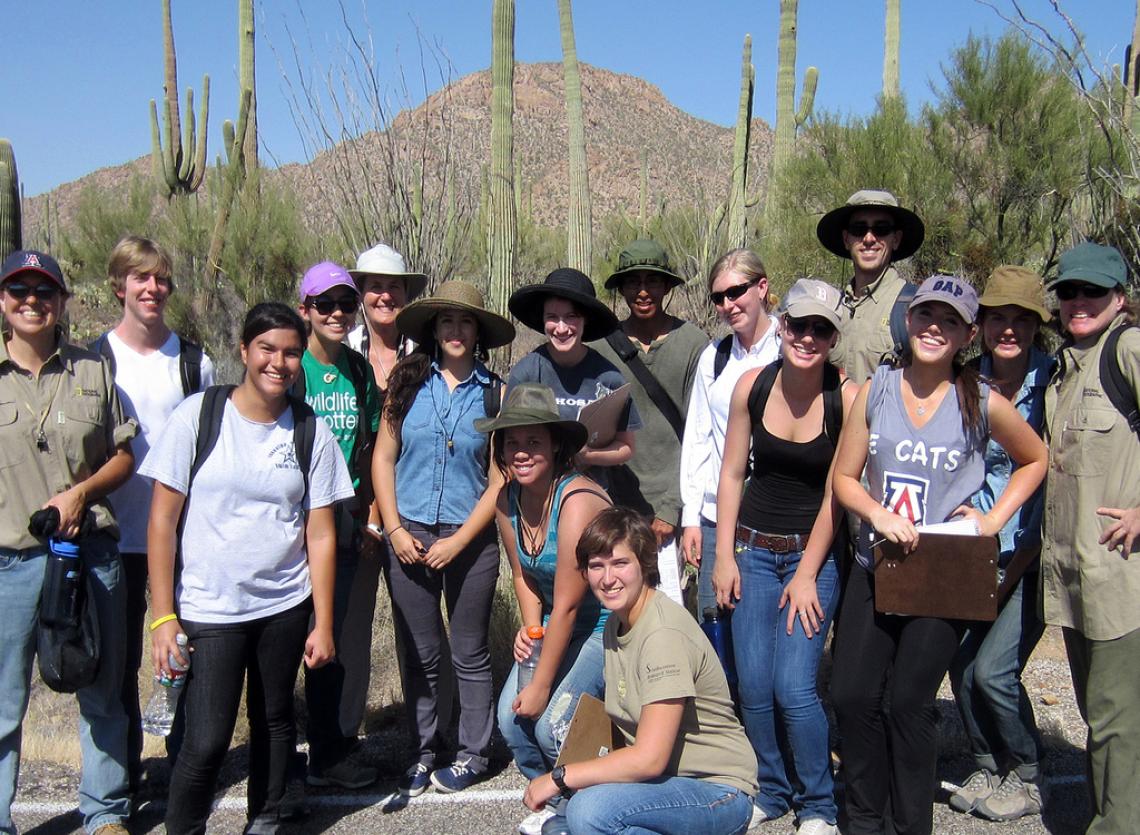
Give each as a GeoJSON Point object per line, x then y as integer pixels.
{"type": "Point", "coordinates": [532, 404]}
{"type": "Point", "coordinates": [1018, 286]}
{"type": "Point", "coordinates": [645, 255]}
{"type": "Point", "coordinates": [1093, 264]}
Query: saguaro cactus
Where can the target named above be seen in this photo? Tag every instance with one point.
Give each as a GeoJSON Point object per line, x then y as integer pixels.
{"type": "Point", "coordinates": [737, 200]}
{"type": "Point", "coordinates": [1132, 78]}
{"type": "Point", "coordinates": [788, 118]}
{"type": "Point", "coordinates": [891, 50]}
{"type": "Point", "coordinates": [11, 230]}
{"type": "Point", "coordinates": [578, 237]}
{"type": "Point", "coordinates": [176, 171]}
{"type": "Point", "coordinates": [502, 226]}
{"type": "Point", "coordinates": [247, 80]}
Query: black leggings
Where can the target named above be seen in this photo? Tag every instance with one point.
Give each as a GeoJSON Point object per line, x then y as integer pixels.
{"type": "Point", "coordinates": [885, 678]}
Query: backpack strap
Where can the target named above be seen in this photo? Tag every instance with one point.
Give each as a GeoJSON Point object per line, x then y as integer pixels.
{"type": "Point", "coordinates": [723, 352]}
{"type": "Point", "coordinates": [1113, 382]}
{"type": "Point", "coordinates": [832, 403]}
{"type": "Point", "coordinates": [189, 366]}
{"type": "Point", "coordinates": [898, 317]}
{"type": "Point", "coordinates": [629, 354]}
{"type": "Point", "coordinates": [102, 346]}
{"type": "Point", "coordinates": [209, 427]}
{"type": "Point", "coordinates": [761, 389]}
{"type": "Point", "coordinates": [360, 373]}
{"type": "Point", "coordinates": [304, 436]}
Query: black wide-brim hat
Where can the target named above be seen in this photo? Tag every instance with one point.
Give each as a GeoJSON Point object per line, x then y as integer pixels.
{"type": "Point", "coordinates": [564, 283]}
{"type": "Point", "coordinates": [532, 404]}
{"type": "Point", "coordinates": [414, 321]}
{"type": "Point", "coordinates": [830, 228]}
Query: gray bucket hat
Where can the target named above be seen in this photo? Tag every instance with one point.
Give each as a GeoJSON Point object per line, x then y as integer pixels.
{"type": "Point", "coordinates": [830, 228]}
{"type": "Point", "coordinates": [532, 404]}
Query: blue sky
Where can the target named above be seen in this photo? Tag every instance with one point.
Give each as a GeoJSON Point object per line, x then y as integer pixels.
{"type": "Point", "coordinates": [79, 74]}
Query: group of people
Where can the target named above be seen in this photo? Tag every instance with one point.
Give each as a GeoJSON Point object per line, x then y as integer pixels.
{"type": "Point", "coordinates": [263, 515]}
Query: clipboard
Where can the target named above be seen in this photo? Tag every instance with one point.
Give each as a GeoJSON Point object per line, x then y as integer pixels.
{"type": "Point", "coordinates": [949, 576]}
{"type": "Point", "coordinates": [591, 733]}
{"type": "Point", "coordinates": [601, 417]}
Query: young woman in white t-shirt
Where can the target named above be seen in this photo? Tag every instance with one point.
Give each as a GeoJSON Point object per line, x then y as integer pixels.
{"type": "Point", "coordinates": [257, 563]}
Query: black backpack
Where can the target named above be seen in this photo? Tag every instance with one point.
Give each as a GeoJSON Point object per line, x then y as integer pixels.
{"type": "Point", "coordinates": [832, 397]}
{"type": "Point", "coordinates": [189, 361]}
{"type": "Point", "coordinates": [1113, 382]}
{"type": "Point", "coordinates": [898, 317]}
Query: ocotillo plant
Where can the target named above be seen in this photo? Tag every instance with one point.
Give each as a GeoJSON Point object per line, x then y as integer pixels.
{"type": "Point", "coordinates": [11, 231]}
{"type": "Point", "coordinates": [737, 200]}
{"type": "Point", "coordinates": [247, 80]}
{"type": "Point", "coordinates": [175, 170]}
{"type": "Point", "coordinates": [502, 226]}
{"type": "Point", "coordinates": [788, 118]}
{"type": "Point", "coordinates": [231, 176]}
{"type": "Point", "coordinates": [578, 237]}
{"type": "Point", "coordinates": [891, 50]}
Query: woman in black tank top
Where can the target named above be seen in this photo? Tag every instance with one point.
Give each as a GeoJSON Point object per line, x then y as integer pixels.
{"type": "Point", "coordinates": [774, 565]}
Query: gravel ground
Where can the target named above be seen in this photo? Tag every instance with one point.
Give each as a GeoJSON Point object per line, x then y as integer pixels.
{"type": "Point", "coordinates": [46, 798]}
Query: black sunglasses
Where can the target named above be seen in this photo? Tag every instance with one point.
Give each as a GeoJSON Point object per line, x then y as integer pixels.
{"type": "Point", "coordinates": [732, 293]}
{"type": "Point", "coordinates": [1071, 289]}
{"type": "Point", "coordinates": [860, 228]}
{"type": "Point", "coordinates": [325, 306]}
{"type": "Point", "coordinates": [20, 290]}
{"type": "Point", "coordinates": [819, 329]}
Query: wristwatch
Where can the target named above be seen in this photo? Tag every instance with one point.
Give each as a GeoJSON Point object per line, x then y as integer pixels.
{"type": "Point", "coordinates": [558, 775]}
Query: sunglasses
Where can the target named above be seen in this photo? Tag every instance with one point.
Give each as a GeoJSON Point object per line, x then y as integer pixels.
{"type": "Point", "coordinates": [732, 293]}
{"type": "Point", "coordinates": [860, 228]}
{"type": "Point", "coordinates": [20, 290]}
{"type": "Point", "coordinates": [820, 329]}
{"type": "Point", "coordinates": [325, 306]}
{"type": "Point", "coordinates": [1071, 289]}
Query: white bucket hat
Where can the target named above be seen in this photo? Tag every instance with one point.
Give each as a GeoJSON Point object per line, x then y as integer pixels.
{"type": "Point", "coordinates": [383, 260]}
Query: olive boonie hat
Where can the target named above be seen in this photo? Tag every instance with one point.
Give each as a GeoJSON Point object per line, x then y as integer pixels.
{"type": "Point", "coordinates": [831, 226]}
{"type": "Point", "coordinates": [643, 255]}
{"type": "Point", "coordinates": [415, 319]}
{"type": "Point", "coordinates": [532, 404]}
{"type": "Point", "coordinates": [951, 290]}
{"type": "Point", "coordinates": [564, 283]}
{"type": "Point", "coordinates": [1093, 264]}
{"type": "Point", "coordinates": [383, 260]}
{"type": "Point", "coordinates": [813, 297]}
{"type": "Point", "coordinates": [1018, 286]}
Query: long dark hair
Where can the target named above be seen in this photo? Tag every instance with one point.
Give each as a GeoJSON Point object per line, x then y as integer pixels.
{"type": "Point", "coordinates": [564, 451]}
{"type": "Point", "coordinates": [967, 383]}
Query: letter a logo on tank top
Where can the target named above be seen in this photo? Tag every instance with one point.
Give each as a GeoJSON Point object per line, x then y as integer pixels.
{"type": "Point", "coordinates": [906, 496]}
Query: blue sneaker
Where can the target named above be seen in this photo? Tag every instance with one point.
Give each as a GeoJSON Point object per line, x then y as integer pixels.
{"type": "Point", "coordinates": [415, 780]}
{"type": "Point", "coordinates": [456, 777]}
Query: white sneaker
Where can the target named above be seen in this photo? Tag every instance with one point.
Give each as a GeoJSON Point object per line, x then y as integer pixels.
{"type": "Point", "coordinates": [759, 816]}
{"type": "Point", "coordinates": [817, 826]}
{"type": "Point", "coordinates": [532, 823]}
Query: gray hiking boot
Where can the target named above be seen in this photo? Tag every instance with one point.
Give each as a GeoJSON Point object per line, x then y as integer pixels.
{"type": "Point", "coordinates": [1014, 798]}
{"type": "Point", "coordinates": [980, 785]}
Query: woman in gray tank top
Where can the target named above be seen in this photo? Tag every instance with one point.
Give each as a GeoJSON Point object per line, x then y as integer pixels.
{"type": "Point", "coordinates": [920, 431]}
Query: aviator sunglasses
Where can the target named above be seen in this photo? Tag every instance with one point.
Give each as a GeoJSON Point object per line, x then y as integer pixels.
{"type": "Point", "coordinates": [325, 305]}
{"type": "Point", "coordinates": [860, 228]}
{"type": "Point", "coordinates": [732, 293]}
{"type": "Point", "coordinates": [819, 329]}
{"type": "Point", "coordinates": [21, 290]}
{"type": "Point", "coordinates": [1071, 289]}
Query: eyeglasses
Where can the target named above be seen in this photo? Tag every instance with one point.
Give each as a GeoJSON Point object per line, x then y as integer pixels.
{"type": "Point", "coordinates": [819, 329]}
{"type": "Point", "coordinates": [649, 282]}
{"type": "Point", "coordinates": [325, 306]}
{"type": "Point", "coordinates": [732, 293]}
{"type": "Point", "coordinates": [20, 290]}
{"type": "Point", "coordinates": [860, 228]}
{"type": "Point", "coordinates": [1071, 289]}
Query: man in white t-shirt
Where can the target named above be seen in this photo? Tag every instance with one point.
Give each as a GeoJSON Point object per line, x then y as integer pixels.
{"type": "Point", "coordinates": [155, 369]}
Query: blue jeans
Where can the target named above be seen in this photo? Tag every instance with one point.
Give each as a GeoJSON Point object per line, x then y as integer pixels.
{"type": "Point", "coordinates": [778, 678]}
{"type": "Point", "coordinates": [706, 594]}
{"type": "Point", "coordinates": [532, 742]}
{"type": "Point", "coordinates": [986, 677]}
{"type": "Point", "coordinates": [103, 797]}
{"type": "Point", "coordinates": [664, 805]}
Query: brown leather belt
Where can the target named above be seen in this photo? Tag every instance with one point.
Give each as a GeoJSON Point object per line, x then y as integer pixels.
{"type": "Point", "coordinates": [776, 543]}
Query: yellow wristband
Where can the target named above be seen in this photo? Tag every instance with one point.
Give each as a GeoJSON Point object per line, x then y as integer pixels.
{"type": "Point", "coordinates": [157, 622]}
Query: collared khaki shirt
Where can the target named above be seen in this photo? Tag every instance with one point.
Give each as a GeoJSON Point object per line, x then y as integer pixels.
{"type": "Point", "coordinates": [865, 332]}
{"type": "Point", "coordinates": [1094, 461]}
{"type": "Point", "coordinates": [56, 429]}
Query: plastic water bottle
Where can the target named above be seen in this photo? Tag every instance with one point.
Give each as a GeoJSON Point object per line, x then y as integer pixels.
{"type": "Point", "coordinates": [528, 665]}
{"type": "Point", "coordinates": [59, 602]}
{"type": "Point", "coordinates": [720, 636]}
{"type": "Point", "coordinates": [158, 718]}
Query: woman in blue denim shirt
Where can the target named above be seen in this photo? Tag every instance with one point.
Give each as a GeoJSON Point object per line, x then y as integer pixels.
{"type": "Point", "coordinates": [437, 503]}
{"type": "Point", "coordinates": [774, 565]}
{"type": "Point", "coordinates": [986, 673]}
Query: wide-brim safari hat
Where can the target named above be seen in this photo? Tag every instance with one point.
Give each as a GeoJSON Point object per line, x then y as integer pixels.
{"type": "Point", "coordinates": [532, 404]}
{"type": "Point", "coordinates": [1018, 286]}
{"type": "Point", "coordinates": [414, 321]}
{"type": "Point", "coordinates": [564, 283]}
{"type": "Point", "coordinates": [831, 226]}
{"type": "Point", "coordinates": [643, 255]}
{"type": "Point", "coordinates": [383, 260]}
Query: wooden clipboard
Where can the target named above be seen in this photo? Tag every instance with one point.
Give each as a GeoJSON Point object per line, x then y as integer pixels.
{"type": "Point", "coordinates": [601, 418]}
{"type": "Point", "coordinates": [591, 733]}
{"type": "Point", "coordinates": [947, 576]}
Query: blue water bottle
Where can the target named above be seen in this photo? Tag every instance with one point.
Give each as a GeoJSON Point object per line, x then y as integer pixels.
{"type": "Point", "coordinates": [59, 599]}
{"type": "Point", "coordinates": [720, 636]}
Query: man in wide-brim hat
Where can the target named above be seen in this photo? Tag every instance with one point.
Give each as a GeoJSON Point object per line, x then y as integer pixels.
{"type": "Point", "coordinates": [874, 232]}
{"type": "Point", "coordinates": [566, 309]}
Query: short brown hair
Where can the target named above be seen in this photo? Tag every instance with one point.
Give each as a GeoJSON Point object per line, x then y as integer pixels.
{"type": "Point", "coordinates": [137, 254]}
{"type": "Point", "coordinates": [621, 526]}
